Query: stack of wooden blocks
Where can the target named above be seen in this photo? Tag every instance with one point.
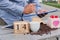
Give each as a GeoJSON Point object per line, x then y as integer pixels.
{"type": "Point", "coordinates": [37, 19]}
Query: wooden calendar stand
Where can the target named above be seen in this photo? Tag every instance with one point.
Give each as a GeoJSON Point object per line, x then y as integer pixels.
{"type": "Point", "coordinates": [21, 27]}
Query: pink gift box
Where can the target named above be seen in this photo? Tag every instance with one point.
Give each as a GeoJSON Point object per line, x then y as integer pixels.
{"type": "Point", "coordinates": [54, 21]}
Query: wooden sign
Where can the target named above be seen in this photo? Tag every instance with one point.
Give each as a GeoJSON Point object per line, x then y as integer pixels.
{"type": "Point", "coordinates": [21, 27]}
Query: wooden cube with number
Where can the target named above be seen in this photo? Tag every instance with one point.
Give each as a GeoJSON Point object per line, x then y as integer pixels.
{"type": "Point", "coordinates": [21, 27]}
{"type": "Point", "coordinates": [37, 19]}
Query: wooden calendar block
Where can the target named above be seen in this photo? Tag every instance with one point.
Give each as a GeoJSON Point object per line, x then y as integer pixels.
{"type": "Point", "coordinates": [37, 19]}
{"type": "Point", "coordinates": [21, 27]}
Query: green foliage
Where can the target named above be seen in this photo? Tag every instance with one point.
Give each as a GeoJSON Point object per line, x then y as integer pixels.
{"type": "Point", "coordinates": [54, 4]}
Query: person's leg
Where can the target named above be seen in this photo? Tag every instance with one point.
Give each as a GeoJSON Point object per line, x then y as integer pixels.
{"type": "Point", "coordinates": [6, 18]}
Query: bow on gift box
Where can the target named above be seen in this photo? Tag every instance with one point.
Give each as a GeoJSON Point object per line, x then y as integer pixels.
{"type": "Point", "coordinates": [53, 16]}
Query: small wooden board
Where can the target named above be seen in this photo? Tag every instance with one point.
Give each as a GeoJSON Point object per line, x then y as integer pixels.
{"type": "Point", "coordinates": [21, 27]}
